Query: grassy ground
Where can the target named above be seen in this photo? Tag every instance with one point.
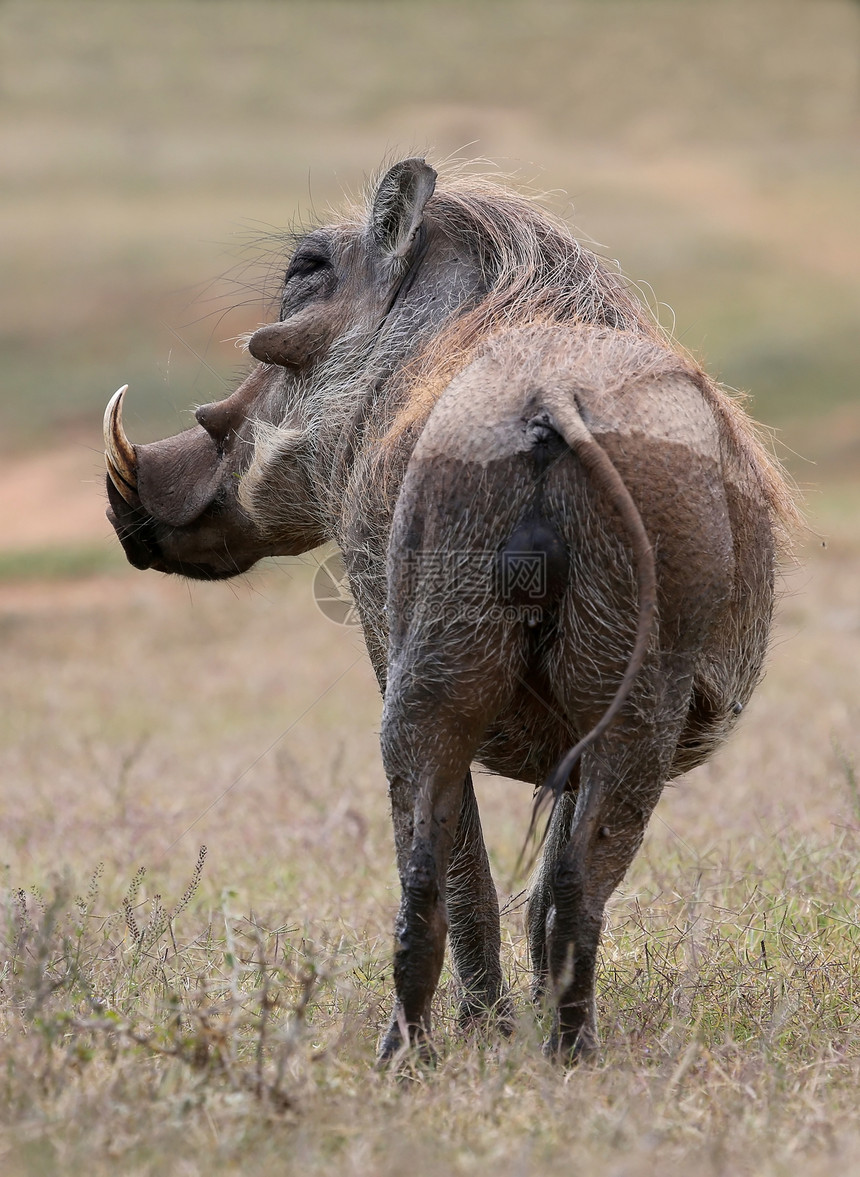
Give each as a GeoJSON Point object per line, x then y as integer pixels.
{"type": "Point", "coordinates": [179, 1021]}
{"type": "Point", "coordinates": [219, 1014]}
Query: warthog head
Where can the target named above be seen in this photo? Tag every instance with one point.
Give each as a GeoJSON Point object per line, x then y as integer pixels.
{"type": "Point", "coordinates": [176, 504]}
{"type": "Point", "coordinates": [261, 471]}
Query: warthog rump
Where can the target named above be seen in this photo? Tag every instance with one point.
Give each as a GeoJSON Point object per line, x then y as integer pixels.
{"type": "Point", "coordinates": [560, 534]}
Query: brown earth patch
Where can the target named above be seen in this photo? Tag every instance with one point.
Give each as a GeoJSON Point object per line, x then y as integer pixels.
{"type": "Point", "coordinates": [54, 498]}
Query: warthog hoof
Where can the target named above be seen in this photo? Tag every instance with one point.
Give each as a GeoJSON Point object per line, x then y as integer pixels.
{"type": "Point", "coordinates": [398, 1052]}
{"type": "Point", "coordinates": [476, 1017]}
{"type": "Point", "coordinates": [571, 1049]}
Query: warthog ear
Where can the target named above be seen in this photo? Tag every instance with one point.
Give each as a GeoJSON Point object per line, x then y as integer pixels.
{"type": "Point", "coordinates": [398, 206]}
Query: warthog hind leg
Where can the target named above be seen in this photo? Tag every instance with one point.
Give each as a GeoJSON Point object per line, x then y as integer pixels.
{"type": "Point", "coordinates": [622, 777]}
{"type": "Point", "coordinates": [431, 727]}
{"type": "Point", "coordinates": [424, 828]}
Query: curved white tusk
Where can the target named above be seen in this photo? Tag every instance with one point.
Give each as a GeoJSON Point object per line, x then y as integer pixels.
{"type": "Point", "coordinates": [120, 457]}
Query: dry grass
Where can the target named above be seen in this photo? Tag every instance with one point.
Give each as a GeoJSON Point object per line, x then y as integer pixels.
{"type": "Point", "coordinates": [233, 1030]}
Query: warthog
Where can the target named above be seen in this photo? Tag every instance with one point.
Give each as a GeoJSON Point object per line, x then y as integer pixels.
{"type": "Point", "coordinates": [559, 533]}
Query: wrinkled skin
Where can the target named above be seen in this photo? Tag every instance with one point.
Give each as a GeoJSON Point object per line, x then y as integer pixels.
{"type": "Point", "coordinates": [496, 466]}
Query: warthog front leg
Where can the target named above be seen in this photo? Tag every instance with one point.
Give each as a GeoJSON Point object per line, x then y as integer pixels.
{"type": "Point", "coordinates": [539, 909]}
{"type": "Point", "coordinates": [473, 918]}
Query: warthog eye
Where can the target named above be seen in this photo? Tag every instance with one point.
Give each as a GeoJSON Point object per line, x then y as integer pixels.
{"type": "Point", "coordinates": [306, 263]}
{"type": "Point", "coordinates": [310, 275]}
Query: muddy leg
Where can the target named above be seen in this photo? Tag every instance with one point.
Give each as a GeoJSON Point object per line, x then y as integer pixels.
{"type": "Point", "coordinates": [539, 909]}
{"type": "Point", "coordinates": [622, 778]}
{"type": "Point", "coordinates": [473, 918]}
{"type": "Point", "coordinates": [431, 727]}
{"type": "Point", "coordinates": [425, 821]}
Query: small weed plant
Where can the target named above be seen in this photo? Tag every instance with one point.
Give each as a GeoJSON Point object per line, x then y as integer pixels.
{"type": "Point", "coordinates": [84, 986]}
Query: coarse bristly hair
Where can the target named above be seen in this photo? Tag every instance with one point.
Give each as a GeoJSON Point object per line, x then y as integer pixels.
{"type": "Point", "coordinates": [533, 271]}
{"type": "Point", "coordinates": [536, 271]}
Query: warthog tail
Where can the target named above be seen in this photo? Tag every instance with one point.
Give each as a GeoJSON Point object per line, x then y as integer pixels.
{"type": "Point", "coordinates": [566, 418]}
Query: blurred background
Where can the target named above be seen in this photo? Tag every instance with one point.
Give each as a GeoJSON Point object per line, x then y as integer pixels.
{"type": "Point", "coordinates": [150, 153]}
